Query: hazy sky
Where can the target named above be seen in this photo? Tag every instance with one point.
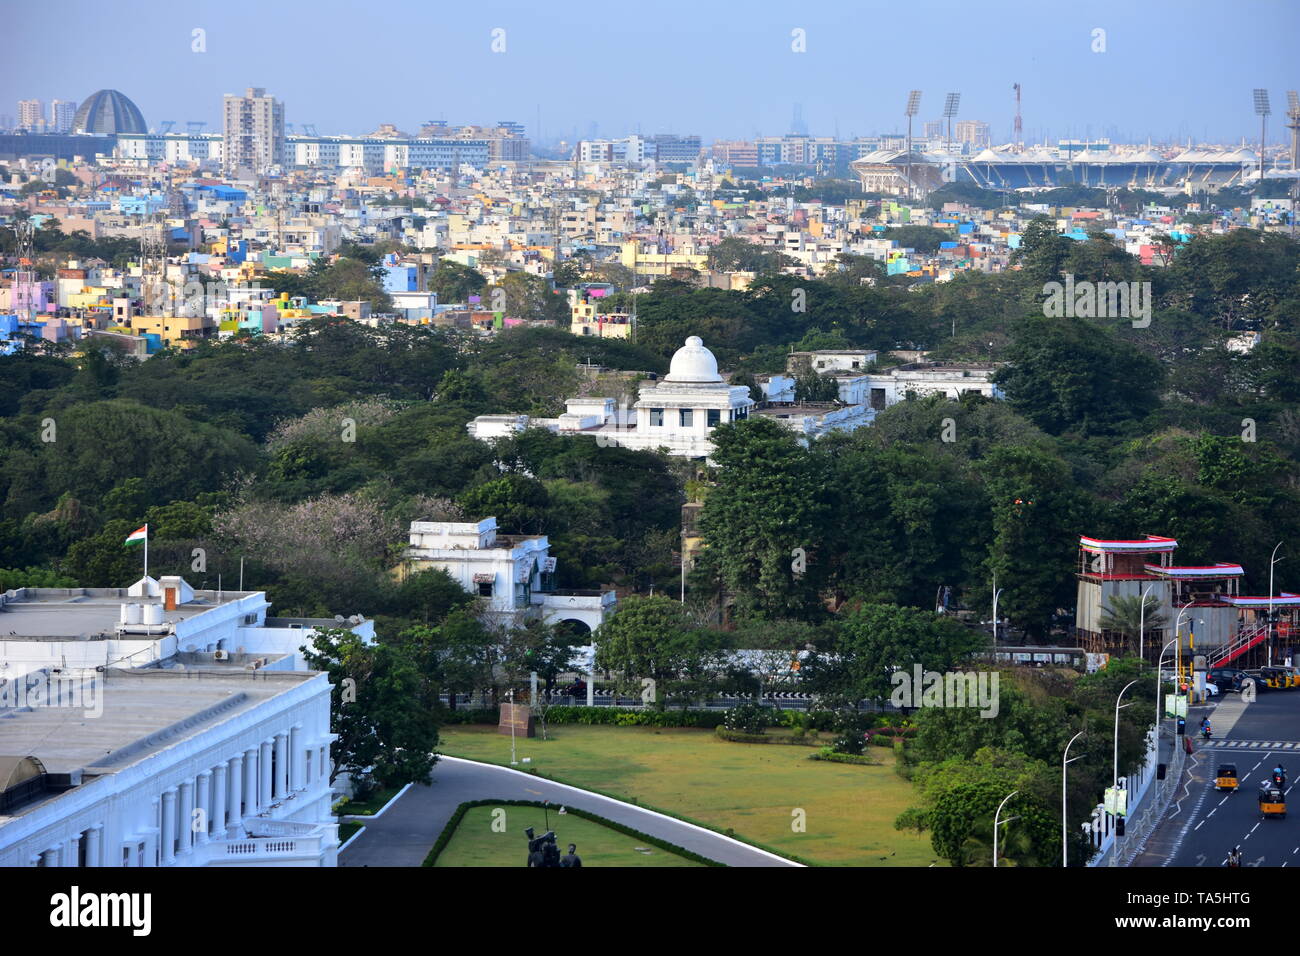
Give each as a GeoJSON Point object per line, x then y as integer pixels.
{"type": "Point", "coordinates": [1171, 69]}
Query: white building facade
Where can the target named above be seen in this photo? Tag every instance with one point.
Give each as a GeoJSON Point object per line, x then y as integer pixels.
{"type": "Point", "coordinates": [159, 726]}
{"type": "Point", "coordinates": [512, 575]}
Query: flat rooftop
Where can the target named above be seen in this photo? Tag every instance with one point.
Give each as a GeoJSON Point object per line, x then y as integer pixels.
{"type": "Point", "coordinates": [120, 719]}
{"type": "Point", "coordinates": [86, 614]}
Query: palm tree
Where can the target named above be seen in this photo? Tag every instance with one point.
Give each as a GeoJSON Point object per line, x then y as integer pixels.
{"type": "Point", "coordinates": [1124, 616]}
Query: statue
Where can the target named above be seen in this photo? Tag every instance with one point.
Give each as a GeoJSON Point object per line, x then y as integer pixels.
{"type": "Point", "coordinates": [542, 850]}
{"type": "Point", "coordinates": [571, 859]}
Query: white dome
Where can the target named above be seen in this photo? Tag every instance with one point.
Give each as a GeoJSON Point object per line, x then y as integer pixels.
{"type": "Point", "coordinates": [693, 363]}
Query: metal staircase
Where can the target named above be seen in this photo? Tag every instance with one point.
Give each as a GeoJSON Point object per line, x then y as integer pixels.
{"type": "Point", "coordinates": [1244, 641]}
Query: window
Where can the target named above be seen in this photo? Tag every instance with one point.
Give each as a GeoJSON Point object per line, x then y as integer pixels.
{"type": "Point", "coordinates": [687, 417]}
{"type": "Point", "coordinates": [656, 416]}
{"type": "Point", "coordinates": [485, 589]}
{"type": "Point", "coordinates": [713, 417]}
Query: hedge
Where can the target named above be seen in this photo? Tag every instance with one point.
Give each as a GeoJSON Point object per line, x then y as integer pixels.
{"type": "Point", "coordinates": [468, 715]}
{"type": "Point", "coordinates": [625, 717]}
{"type": "Point", "coordinates": [736, 737]}
{"type": "Point", "coordinates": [449, 830]}
{"type": "Point", "coordinates": [844, 758]}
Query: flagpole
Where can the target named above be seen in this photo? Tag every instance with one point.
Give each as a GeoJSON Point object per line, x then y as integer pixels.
{"type": "Point", "coordinates": [146, 551]}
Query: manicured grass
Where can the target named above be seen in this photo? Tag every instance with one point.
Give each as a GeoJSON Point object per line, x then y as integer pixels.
{"type": "Point", "coordinates": [347, 828]}
{"type": "Point", "coordinates": [752, 789]}
{"type": "Point", "coordinates": [475, 843]}
{"type": "Point", "coordinates": [371, 806]}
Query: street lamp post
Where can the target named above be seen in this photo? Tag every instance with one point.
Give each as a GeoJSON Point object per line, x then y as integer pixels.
{"type": "Point", "coordinates": [1066, 760]}
{"type": "Point", "coordinates": [1273, 559]}
{"type": "Point", "coordinates": [513, 761]}
{"type": "Point", "coordinates": [1178, 650]}
{"type": "Point", "coordinates": [997, 591]}
{"type": "Point", "coordinates": [1142, 623]}
{"type": "Point", "coordinates": [996, 824]}
{"type": "Point", "coordinates": [1160, 661]}
{"type": "Point", "coordinates": [1114, 770]}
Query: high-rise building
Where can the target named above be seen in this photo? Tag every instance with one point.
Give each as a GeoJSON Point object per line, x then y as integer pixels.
{"type": "Point", "coordinates": [671, 148]}
{"type": "Point", "coordinates": [31, 114]}
{"type": "Point", "coordinates": [61, 115]}
{"type": "Point", "coordinates": [971, 131]}
{"type": "Point", "coordinates": [934, 129]}
{"type": "Point", "coordinates": [253, 132]}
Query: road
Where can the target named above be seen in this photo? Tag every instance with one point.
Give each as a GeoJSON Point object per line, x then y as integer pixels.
{"type": "Point", "coordinates": [406, 831]}
{"type": "Point", "coordinates": [1203, 824]}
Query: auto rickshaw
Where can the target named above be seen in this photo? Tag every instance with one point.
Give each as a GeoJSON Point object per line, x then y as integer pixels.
{"type": "Point", "coordinates": [1278, 678]}
{"type": "Point", "coordinates": [1272, 802]}
{"type": "Point", "coordinates": [1225, 778]}
{"type": "Point", "coordinates": [1274, 678]}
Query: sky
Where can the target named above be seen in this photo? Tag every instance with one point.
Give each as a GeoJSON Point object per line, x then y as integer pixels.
{"type": "Point", "coordinates": [1168, 70]}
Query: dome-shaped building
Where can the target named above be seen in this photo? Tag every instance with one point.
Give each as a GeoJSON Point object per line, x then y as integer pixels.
{"type": "Point", "coordinates": [107, 113]}
{"type": "Point", "coordinates": [693, 363]}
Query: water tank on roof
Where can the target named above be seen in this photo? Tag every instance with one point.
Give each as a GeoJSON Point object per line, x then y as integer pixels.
{"type": "Point", "coordinates": [130, 614]}
{"type": "Point", "coordinates": [153, 614]}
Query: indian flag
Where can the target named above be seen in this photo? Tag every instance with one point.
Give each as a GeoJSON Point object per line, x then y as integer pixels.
{"type": "Point", "coordinates": [139, 534]}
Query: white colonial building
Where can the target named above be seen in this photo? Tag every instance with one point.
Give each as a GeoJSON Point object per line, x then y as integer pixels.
{"type": "Point", "coordinates": [676, 414]}
{"type": "Point", "coordinates": [513, 575]}
{"type": "Point", "coordinates": [161, 726]}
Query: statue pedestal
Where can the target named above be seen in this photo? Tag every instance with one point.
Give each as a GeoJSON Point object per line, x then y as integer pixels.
{"type": "Point", "coordinates": [518, 716]}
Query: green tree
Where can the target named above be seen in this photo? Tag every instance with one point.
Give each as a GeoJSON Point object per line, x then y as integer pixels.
{"type": "Point", "coordinates": [1125, 615]}
{"type": "Point", "coordinates": [379, 708]}
{"type": "Point", "coordinates": [765, 521]}
{"type": "Point", "coordinates": [454, 282]}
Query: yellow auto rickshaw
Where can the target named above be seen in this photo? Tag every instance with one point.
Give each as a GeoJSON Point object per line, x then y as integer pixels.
{"type": "Point", "coordinates": [1275, 678]}
{"type": "Point", "coordinates": [1279, 678]}
{"type": "Point", "coordinates": [1225, 778]}
{"type": "Point", "coordinates": [1272, 802]}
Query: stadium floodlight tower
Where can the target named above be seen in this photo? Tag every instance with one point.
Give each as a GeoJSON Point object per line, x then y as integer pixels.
{"type": "Point", "coordinates": [913, 107]}
{"type": "Point", "coordinates": [1262, 110]}
{"type": "Point", "coordinates": [950, 104]}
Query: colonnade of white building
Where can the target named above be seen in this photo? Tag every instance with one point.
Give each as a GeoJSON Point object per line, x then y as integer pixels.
{"type": "Point", "coordinates": [215, 804]}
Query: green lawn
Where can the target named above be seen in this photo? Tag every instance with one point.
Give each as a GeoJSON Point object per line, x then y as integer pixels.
{"type": "Point", "coordinates": [475, 843]}
{"type": "Point", "coordinates": [752, 789]}
{"type": "Point", "coordinates": [346, 829]}
{"type": "Point", "coordinates": [369, 807]}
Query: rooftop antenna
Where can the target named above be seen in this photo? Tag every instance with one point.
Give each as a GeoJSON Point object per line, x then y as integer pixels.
{"type": "Point", "coordinates": [1262, 109]}
{"type": "Point", "coordinates": [950, 104]}
{"type": "Point", "coordinates": [25, 277]}
{"type": "Point", "coordinates": [1293, 124]}
{"type": "Point", "coordinates": [1018, 130]}
{"type": "Point", "coordinates": [913, 106]}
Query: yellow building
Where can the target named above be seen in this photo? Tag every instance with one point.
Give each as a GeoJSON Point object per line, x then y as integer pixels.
{"type": "Point", "coordinates": [660, 265]}
{"type": "Point", "coordinates": [585, 320]}
{"type": "Point", "coordinates": [180, 331]}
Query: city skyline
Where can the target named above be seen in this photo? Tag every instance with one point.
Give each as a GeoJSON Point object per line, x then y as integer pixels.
{"type": "Point", "coordinates": [726, 77]}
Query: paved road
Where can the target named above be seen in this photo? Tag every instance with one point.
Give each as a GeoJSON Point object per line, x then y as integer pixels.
{"type": "Point", "coordinates": [406, 831]}
{"type": "Point", "coordinates": [1203, 824]}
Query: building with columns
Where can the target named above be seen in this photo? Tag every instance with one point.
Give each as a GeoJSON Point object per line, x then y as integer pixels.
{"type": "Point", "coordinates": [161, 726]}
{"type": "Point", "coordinates": [675, 414]}
{"type": "Point", "coordinates": [511, 575]}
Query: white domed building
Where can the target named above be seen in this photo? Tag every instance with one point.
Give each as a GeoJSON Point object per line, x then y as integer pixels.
{"type": "Point", "coordinates": [677, 413]}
